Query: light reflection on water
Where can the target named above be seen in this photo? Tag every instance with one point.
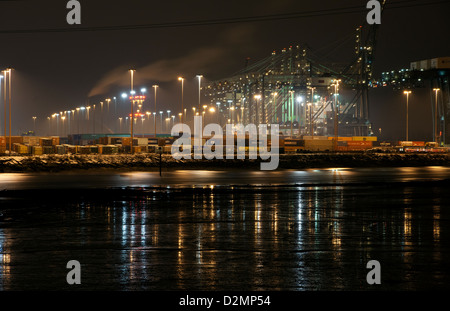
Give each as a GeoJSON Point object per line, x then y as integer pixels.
{"type": "Point", "coordinates": [102, 179]}
{"type": "Point", "coordinates": [305, 238]}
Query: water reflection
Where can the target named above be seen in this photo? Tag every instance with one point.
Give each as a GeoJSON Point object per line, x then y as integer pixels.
{"type": "Point", "coordinates": [314, 238]}
{"type": "Point", "coordinates": [206, 178]}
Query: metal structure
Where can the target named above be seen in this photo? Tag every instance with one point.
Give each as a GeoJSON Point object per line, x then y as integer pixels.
{"type": "Point", "coordinates": [301, 93]}
{"type": "Point", "coordinates": [433, 74]}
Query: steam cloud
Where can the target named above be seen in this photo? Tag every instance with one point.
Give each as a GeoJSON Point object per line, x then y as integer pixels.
{"type": "Point", "coordinates": [197, 61]}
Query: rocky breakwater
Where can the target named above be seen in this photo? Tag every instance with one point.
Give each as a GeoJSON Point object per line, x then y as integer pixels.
{"type": "Point", "coordinates": [55, 163]}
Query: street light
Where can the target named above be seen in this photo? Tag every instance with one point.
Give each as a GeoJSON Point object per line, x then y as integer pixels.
{"type": "Point", "coordinates": [182, 99]}
{"type": "Point", "coordinates": [436, 126]}
{"type": "Point", "coordinates": [311, 107]}
{"type": "Point", "coordinates": [407, 113]}
{"type": "Point", "coordinates": [34, 125]}
{"type": "Point", "coordinates": [63, 128]}
{"type": "Point", "coordinates": [336, 123]}
{"type": "Point", "coordinates": [155, 87]}
{"type": "Point", "coordinates": [257, 97]}
{"type": "Point", "coordinates": [199, 90]}
{"type": "Point", "coordinates": [9, 96]}
{"type": "Point", "coordinates": [154, 121]}
{"type": "Point", "coordinates": [1, 77]}
{"type": "Point", "coordinates": [132, 112]}
{"type": "Point", "coordinates": [5, 75]}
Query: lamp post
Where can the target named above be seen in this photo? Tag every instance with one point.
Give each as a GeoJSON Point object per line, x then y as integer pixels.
{"type": "Point", "coordinates": [161, 115]}
{"type": "Point", "coordinates": [63, 128]}
{"type": "Point", "coordinates": [1, 77]}
{"type": "Point", "coordinates": [199, 91]}
{"type": "Point", "coordinates": [407, 113]}
{"type": "Point", "coordinates": [154, 113]}
{"type": "Point", "coordinates": [148, 113]}
{"type": "Point", "coordinates": [336, 123]}
{"type": "Point", "coordinates": [182, 98]}
{"type": "Point", "coordinates": [257, 97]}
{"type": "Point", "coordinates": [311, 107]}
{"type": "Point", "coordinates": [120, 125]}
{"type": "Point", "coordinates": [5, 75]}
{"type": "Point", "coordinates": [34, 125]}
{"type": "Point", "coordinates": [132, 112]}
{"type": "Point", "coordinates": [436, 126]}
{"type": "Point", "coordinates": [9, 96]}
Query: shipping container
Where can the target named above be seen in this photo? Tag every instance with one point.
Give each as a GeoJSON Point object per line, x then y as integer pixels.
{"type": "Point", "coordinates": [367, 144]}
{"type": "Point", "coordinates": [37, 150]}
{"type": "Point", "coordinates": [94, 149]}
{"type": "Point", "coordinates": [137, 149]}
{"type": "Point", "coordinates": [60, 149]}
{"type": "Point", "coordinates": [440, 63]}
{"type": "Point", "coordinates": [48, 150]}
{"type": "Point", "coordinates": [126, 141]}
{"type": "Point", "coordinates": [418, 144]}
{"type": "Point", "coordinates": [293, 145]}
{"type": "Point", "coordinates": [20, 148]}
{"type": "Point", "coordinates": [110, 149]}
{"type": "Point", "coordinates": [70, 149]}
{"type": "Point", "coordinates": [55, 140]}
{"type": "Point", "coordinates": [140, 141]}
{"type": "Point", "coordinates": [85, 150]}
{"type": "Point", "coordinates": [405, 143]}
{"type": "Point", "coordinates": [341, 138]}
{"type": "Point", "coordinates": [319, 145]}
{"type": "Point", "coordinates": [153, 141]}
{"type": "Point", "coordinates": [316, 137]}
{"type": "Point", "coordinates": [31, 140]}
{"type": "Point", "coordinates": [151, 149]}
{"type": "Point", "coordinates": [364, 138]}
{"type": "Point", "coordinates": [45, 142]}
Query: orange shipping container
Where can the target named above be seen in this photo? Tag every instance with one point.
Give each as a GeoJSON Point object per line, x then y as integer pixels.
{"type": "Point", "coordinates": [418, 143]}
{"type": "Point", "coordinates": [367, 144]}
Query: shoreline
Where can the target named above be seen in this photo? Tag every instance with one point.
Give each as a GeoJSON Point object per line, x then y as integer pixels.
{"type": "Point", "coordinates": [150, 162]}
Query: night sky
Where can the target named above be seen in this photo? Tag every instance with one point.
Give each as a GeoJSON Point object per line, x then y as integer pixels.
{"type": "Point", "coordinates": [56, 71]}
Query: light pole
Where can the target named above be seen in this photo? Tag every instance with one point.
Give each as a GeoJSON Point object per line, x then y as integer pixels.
{"type": "Point", "coordinates": [257, 97]}
{"type": "Point", "coordinates": [182, 98]}
{"type": "Point", "coordinates": [63, 128]}
{"type": "Point", "coordinates": [161, 115]}
{"type": "Point", "coordinates": [1, 77]}
{"type": "Point", "coordinates": [336, 123]}
{"type": "Point", "coordinates": [9, 96]}
{"type": "Point", "coordinates": [407, 113]}
{"type": "Point", "coordinates": [5, 74]}
{"type": "Point", "coordinates": [154, 121]}
{"type": "Point", "coordinates": [436, 126]}
{"type": "Point", "coordinates": [148, 113]}
{"type": "Point", "coordinates": [34, 125]}
{"type": "Point", "coordinates": [199, 90]}
{"type": "Point", "coordinates": [120, 125]}
{"type": "Point", "coordinates": [310, 112]}
{"type": "Point", "coordinates": [155, 87]}
{"type": "Point", "coordinates": [132, 113]}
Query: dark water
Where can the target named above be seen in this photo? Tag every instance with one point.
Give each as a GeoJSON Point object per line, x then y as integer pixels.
{"type": "Point", "coordinates": [315, 230]}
